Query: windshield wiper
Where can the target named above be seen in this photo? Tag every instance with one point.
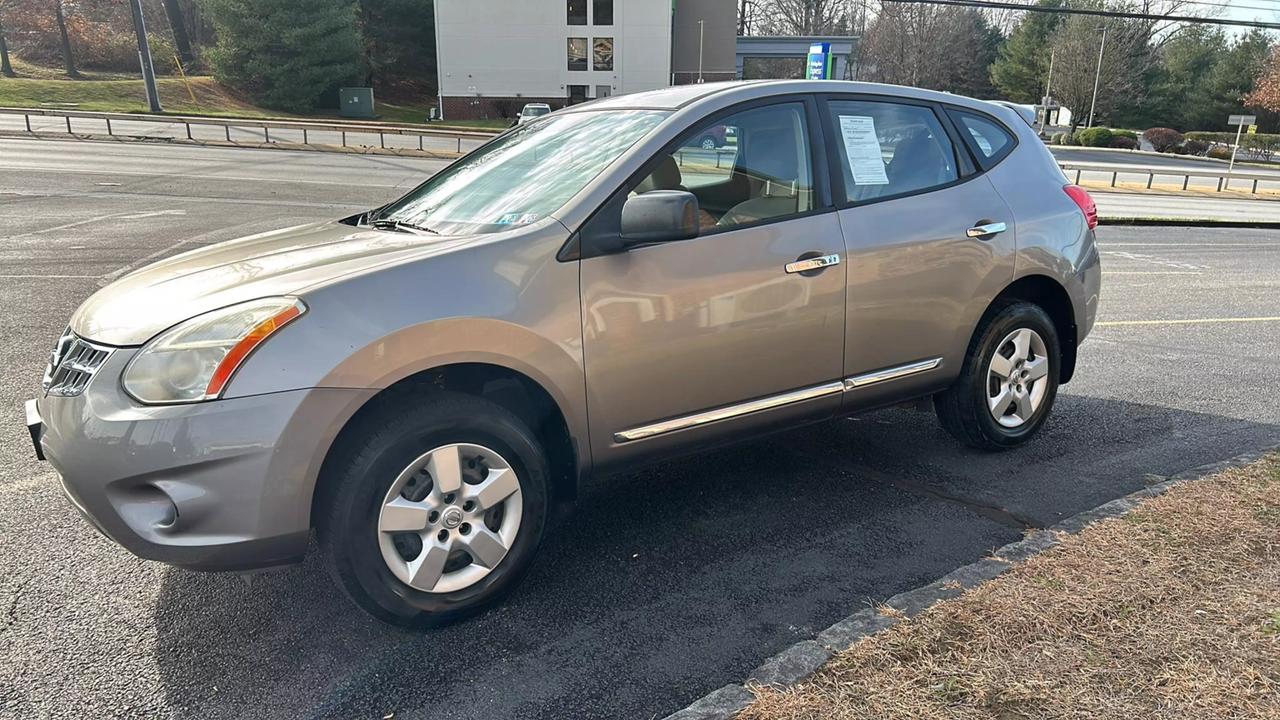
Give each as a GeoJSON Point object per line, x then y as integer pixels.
{"type": "Point", "coordinates": [402, 226]}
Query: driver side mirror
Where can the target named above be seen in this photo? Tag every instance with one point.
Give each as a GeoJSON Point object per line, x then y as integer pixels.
{"type": "Point", "coordinates": [659, 216]}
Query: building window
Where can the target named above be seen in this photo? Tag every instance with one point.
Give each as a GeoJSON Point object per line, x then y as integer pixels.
{"type": "Point", "coordinates": [604, 54]}
{"type": "Point", "coordinates": [602, 12]}
{"type": "Point", "coordinates": [577, 53]}
{"type": "Point", "coordinates": [577, 11]}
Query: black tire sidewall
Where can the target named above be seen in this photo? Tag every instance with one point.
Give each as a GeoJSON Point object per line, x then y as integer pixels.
{"type": "Point", "coordinates": [1013, 317]}
{"type": "Point", "coordinates": [353, 547]}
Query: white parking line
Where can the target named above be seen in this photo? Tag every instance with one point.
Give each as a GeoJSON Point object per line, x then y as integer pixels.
{"type": "Point", "coordinates": [1187, 321]}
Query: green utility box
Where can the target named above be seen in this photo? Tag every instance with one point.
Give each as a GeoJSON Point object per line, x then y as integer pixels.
{"type": "Point", "coordinates": [355, 102]}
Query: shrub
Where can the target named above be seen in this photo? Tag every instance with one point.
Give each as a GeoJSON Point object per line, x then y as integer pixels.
{"type": "Point", "coordinates": [1195, 147]}
{"type": "Point", "coordinates": [1095, 137]}
{"type": "Point", "coordinates": [1060, 138]}
{"type": "Point", "coordinates": [1219, 152]}
{"type": "Point", "coordinates": [1126, 133]}
{"type": "Point", "coordinates": [1124, 143]}
{"type": "Point", "coordinates": [1163, 139]}
{"type": "Point", "coordinates": [286, 54]}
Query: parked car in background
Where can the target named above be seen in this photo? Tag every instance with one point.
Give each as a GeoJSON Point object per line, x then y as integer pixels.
{"type": "Point", "coordinates": [422, 383]}
{"type": "Point", "coordinates": [532, 111]}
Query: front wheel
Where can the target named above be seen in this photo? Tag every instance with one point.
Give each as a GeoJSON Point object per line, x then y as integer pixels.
{"type": "Point", "coordinates": [1008, 382]}
{"type": "Point", "coordinates": [434, 508]}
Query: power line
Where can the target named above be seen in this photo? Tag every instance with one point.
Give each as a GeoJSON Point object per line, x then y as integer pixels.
{"type": "Point", "coordinates": [1273, 8]}
{"type": "Point", "coordinates": [995, 4]}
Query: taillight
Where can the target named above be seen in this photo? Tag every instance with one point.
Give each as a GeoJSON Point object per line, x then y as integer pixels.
{"type": "Point", "coordinates": [1086, 204]}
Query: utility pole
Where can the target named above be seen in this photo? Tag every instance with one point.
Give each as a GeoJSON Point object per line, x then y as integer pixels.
{"type": "Point", "coordinates": [1048, 92]}
{"type": "Point", "coordinates": [701, 25]}
{"type": "Point", "coordinates": [1097, 76]}
{"type": "Point", "coordinates": [144, 57]}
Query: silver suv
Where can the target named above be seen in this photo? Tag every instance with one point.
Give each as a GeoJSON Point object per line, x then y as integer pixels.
{"type": "Point", "coordinates": [423, 383]}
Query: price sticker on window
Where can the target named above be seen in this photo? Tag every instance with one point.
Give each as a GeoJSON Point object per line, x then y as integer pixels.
{"type": "Point", "coordinates": [862, 146]}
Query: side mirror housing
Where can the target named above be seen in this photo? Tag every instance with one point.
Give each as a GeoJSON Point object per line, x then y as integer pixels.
{"type": "Point", "coordinates": [659, 216]}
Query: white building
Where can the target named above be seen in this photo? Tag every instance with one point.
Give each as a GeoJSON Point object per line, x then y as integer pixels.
{"type": "Point", "coordinates": [496, 55]}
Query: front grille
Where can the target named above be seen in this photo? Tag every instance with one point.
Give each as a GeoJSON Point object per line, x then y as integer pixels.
{"type": "Point", "coordinates": [72, 365]}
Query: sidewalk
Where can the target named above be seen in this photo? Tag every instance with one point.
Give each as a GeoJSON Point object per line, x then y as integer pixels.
{"type": "Point", "coordinates": [1143, 206]}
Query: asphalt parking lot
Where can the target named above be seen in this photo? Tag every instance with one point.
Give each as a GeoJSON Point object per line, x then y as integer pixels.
{"type": "Point", "coordinates": [662, 584]}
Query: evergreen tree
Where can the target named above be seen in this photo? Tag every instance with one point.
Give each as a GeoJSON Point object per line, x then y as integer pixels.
{"type": "Point", "coordinates": [286, 54]}
{"type": "Point", "coordinates": [1022, 67]}
{"type": "Point", "coordinates": [399, 44]}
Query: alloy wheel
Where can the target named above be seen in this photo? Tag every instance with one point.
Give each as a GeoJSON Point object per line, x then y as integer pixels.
{"type": "Point", "coordinates": [1017, 378]}
{"type": "Point", "coordinates": [450, 518]}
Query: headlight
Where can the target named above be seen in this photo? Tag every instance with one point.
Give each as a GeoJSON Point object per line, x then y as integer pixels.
{"type": "Point", "coordinates": [194, 360]}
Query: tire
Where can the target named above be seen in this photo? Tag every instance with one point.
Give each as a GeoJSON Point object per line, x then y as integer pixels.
{"type": "Point", "coordinates": [707, 143]}
{"type": "Point", "coordinates": [969, 408]}
{"type": "Point", "coordinates": [407, 443]}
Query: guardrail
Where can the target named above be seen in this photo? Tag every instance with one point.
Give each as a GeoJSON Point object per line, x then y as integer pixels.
{"type": "Point", "coordinates": [442, 142]}
{"type": "Point", "coordinates": [1222, 176]}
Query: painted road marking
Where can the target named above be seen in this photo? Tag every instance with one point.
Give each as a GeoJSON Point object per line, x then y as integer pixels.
{"type": "Point", "coordinates": [1150, 272]}
{"type": "Point", "coordinates": [1188, 321]}
{"type": "Point", "coordinates": [77, 277]}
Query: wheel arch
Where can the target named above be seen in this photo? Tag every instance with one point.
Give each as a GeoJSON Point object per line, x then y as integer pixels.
{"type": "Point", "coordinates": [505, 386]}
{"type": "Point", "coordinates": [1053, 298]}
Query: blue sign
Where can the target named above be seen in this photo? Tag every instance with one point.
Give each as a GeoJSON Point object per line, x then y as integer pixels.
{"type": "Point", "coordinates": [820, 62]}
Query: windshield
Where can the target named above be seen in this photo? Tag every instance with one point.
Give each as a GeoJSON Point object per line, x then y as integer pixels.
{"type": "Point", "coordinates": [522, 176]}
{"type": "Point", "coordinates": [536, 111]}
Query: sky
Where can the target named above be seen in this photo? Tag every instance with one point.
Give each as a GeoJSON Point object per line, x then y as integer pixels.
{"type": "Point", "coordinates": [1249, 10]}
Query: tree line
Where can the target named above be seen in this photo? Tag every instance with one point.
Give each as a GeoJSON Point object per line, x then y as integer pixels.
{"type": "Point", "coordinates": [285, 54]}
{"type": "Point", "coordinates": [293, 54]}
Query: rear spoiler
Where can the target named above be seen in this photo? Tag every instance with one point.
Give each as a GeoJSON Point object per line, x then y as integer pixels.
{"type": "Point", "coordinates": [1027, 114]}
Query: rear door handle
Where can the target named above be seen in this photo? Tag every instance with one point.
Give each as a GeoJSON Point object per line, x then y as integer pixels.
{"type": "Point", "coordinates": [986, 230]}
{"type": "Point", "coordinates": [810, 265]}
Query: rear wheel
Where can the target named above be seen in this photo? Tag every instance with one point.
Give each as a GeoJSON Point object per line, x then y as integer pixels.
{"type": "Point", "coordinates": [707, 143]}
{"type": "Point", "coordinates": [1008, 382]}
{"type": "Point", "coordinates": [434, 508]}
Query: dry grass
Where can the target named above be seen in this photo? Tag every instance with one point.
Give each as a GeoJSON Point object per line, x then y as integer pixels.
{"type": "Point", "coordinates": [1170, 612]}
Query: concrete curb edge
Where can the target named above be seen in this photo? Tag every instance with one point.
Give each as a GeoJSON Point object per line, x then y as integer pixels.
{"type": "Point", "coordinates": [804, 658]}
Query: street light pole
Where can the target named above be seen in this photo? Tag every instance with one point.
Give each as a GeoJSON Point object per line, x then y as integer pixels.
{"type": "Point", "coordinates": [1097, 76]}
{"type": "Point", "coordinates": [700, 29]}
{"type": "Point", "coordinates": [144, 57]}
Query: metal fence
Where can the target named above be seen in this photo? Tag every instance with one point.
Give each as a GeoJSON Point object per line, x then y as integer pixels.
{"type": "Point", "coordinates": [1221, 177]}
{"type": "Point", "coordinates": [302, 134]}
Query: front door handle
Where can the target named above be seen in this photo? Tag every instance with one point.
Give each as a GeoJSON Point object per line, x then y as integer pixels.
{"type": "Point", "coordinates": [986, 230]}
{"type": "Point", "coordinates": [812, 265]}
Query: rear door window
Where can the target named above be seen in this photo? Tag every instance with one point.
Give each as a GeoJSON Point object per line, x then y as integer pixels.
{"type": "Point", "coordinates": [889, 149]}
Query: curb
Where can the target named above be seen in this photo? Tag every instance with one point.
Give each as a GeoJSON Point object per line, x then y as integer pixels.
{"type": "Point", "coordinates": [1188, 222]}
{"type": "Point", "coordinates": [805, 657]}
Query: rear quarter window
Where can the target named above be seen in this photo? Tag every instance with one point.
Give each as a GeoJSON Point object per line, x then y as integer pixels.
{"type": "Point", "coordinates": [989, 140]}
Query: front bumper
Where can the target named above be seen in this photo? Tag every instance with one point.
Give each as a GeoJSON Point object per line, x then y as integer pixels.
{"type": "Point", "coordinates": [222, 485]}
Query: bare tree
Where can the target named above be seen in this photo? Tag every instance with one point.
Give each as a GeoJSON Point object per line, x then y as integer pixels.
{"type": "Point", "coordinates": [1125, 60]}
{"type": "Point", "coordinates": [181, 39]}
{"type": "Point", "coordinates": [930, 46]}
{"type": "Point", "coordinates": [5, 68]}
{"type": "Point", "coordinates": [67, 58]}
{"type": "Point", "coordinates": [805, 17]}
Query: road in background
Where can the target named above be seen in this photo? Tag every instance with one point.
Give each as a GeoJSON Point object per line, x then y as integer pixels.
{"type": "Point", "coordinates": [662, 584]}
{"type": "Point", "coordinates": [1165, 161]}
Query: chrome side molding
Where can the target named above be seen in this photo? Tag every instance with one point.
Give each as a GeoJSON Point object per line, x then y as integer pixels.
{"type": "Point", "coordinates": [893, 373]}
{"type": "Point", "coordinates": [767, 403]}
{"type": "Point", "coordinates": [727, 412]}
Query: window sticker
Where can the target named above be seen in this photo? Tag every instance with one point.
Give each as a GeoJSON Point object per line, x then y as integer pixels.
{"type": "Point", "coordinates": [518, 219]}
{"type": "Point", "coordinates": [863, 148]}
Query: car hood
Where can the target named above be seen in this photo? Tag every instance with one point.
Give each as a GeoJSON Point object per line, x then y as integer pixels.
{"type": "Point", "coordinates": [136, 307]}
